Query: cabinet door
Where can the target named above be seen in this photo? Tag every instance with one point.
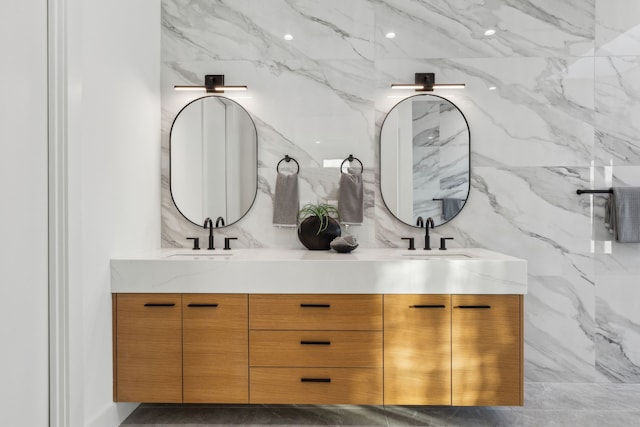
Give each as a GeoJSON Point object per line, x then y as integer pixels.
{"type": "Point", "coordinates": [148, 338]}
{"type": "Point", "coordinates": [215, 348]}
{"type": "Point", "coordinates": [417, 350]}
{"type": "Point", "coordinates": [486, 350]}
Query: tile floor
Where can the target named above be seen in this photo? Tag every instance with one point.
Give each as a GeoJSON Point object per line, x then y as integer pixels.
{"type": "Point", "coordinates": [546, 404]}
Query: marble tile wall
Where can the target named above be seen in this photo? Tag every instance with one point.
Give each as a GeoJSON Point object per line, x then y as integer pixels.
{"type": "Point", "coordinates": [553, 104]}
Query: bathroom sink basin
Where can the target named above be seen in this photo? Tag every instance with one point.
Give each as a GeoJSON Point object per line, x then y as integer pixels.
{"type": "Point", "coordinates": [435, 255]}
{"type": "Point", "coordinates": [190, 255]}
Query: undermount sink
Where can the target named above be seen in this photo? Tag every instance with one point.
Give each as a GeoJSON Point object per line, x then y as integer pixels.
{"type": "Point", "coordinates": [195, 255]}
{"type": "Point", "coordinates": [435, 255]}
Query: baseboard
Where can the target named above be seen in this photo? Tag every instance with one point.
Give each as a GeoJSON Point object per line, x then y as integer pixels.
{"type": "Point", "coordinates": [112, 415]}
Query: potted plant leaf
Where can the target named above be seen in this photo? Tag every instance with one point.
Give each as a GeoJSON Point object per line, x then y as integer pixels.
{"type": "Point", "coordinates": [318, 225]}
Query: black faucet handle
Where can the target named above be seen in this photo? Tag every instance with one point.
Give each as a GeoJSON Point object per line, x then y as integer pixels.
{"type": "Point", "coordinates": [227, 242]}
{"type": "Point", "coordinates": [196, 243]}
{"type": "Point", "coordinates": [412, 246]}
{"type": "Point", "coordinates": [443, 243]}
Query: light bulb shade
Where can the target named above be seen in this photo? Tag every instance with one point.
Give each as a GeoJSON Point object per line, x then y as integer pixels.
{"type": "Point", "coordinates": [407, 86]}
{"type": "Point", "coordinates": [190, 88]}
{"type": "Point", "coordinates": [449, 86]}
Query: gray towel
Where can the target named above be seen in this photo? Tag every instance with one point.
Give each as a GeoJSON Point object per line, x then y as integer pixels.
{"type": "Point", "coordinates": [609, 215]}
{"type": "Point", "coordinates": [350, 198]}
{"type": "Point", "coordinates": [451, 207]}
{"type": "Point", "coordinates": [286, 200]}
{"type": "Point", "coordinates": [626, 214]}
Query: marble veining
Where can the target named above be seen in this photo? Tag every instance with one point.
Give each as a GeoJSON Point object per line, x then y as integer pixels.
{"type": "Point", "coordinates": [552, 101]}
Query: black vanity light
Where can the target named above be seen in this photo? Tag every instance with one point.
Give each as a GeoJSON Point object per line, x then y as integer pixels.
{"type": "Point", "coordinates": [212, 83]}
{"type": "Point", "coordinates": [425, 82]}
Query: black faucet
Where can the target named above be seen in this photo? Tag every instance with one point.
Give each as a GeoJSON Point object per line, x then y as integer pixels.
{"type": "Point", "coordinates": [427, 238]}
{"type": "Point", "coordinates": [209, 223]}
{"type": "Point", "coordinates": [218, 221]}
{"type": "Point", "coordinates": [420, 222]}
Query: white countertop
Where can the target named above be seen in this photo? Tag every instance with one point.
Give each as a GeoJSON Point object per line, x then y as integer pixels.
{"type": "Point", "coordinates": [269, 270]}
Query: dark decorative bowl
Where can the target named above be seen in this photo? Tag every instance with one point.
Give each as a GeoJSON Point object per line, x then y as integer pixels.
{"type": "Point", "coordinates": [308, 233]}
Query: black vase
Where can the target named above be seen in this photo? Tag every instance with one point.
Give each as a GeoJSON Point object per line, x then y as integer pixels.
{"type": "Point", "coordinates": [311, 239]}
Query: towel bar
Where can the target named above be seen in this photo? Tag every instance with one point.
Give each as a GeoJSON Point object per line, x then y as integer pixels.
{"type": "Point", "coordinates": [351, 159]}
{"type": "Point", "coordinates": [287, 159]}
{"type": "Point", "coordinates": [594, 191]}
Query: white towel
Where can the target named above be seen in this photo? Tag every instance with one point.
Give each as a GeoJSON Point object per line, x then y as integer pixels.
{"type": "Point", "coordinates": [286, 200]}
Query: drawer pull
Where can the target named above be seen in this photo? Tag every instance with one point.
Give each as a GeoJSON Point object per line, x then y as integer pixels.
{"type": "Point", "coordinates": [315, 380]}
{"type": "Point", "coordinates": [315, 305]}
{"type": "Point", "coordinates": [152, 304]}
{"type": "Point", "coordinates": [202, 305]}
{"type": "Point", "coordinates": [315, 342]}
{"type": "Point", "coordinates": [473, 306]}
{"type": "Point", "coordinates": [428, 306]}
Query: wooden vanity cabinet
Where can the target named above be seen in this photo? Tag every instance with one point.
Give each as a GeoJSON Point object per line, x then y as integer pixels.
{"type": "Point", "coordinates": [417, 349]}
{"type": "Point", "coordinates": [487, 350]}
{"type": "Point", "coordinates": [461, 350]}
{"type": "Point", "coordinates": [147, 348]}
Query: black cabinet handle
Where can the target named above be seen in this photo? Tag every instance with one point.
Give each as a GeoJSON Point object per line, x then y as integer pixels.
{"type": "Point", "coordinates": [428, 306]}
{"type": "Point", "coordinates": [152, 304]}
{"type": "Point", "coordinates": [473, 306]}
{"type": "Point", "coordinates": [315, 342]}
{"type": "Point", "coordinates": [202, 305]}
{"type": "Point", "coordinates": [315, 380]}
{"type": "Point", "coordinates": [316, 305]}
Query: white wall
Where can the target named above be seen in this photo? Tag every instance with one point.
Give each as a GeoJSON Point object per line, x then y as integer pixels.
{"type": "Point", "coordinates": [114, 175]}
{"type": "Point", "coordinates": [23, 217]}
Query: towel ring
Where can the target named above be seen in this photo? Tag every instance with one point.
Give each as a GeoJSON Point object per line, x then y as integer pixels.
{"type": "Point", "coordinates": [351, 159]}
{"type": "Point", "coordinates": [288, 159]}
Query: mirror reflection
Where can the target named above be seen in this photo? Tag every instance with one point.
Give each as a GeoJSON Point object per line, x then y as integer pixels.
{"type": "Point", "coordinates": [424, 159]}
{"type": "Point", "coordinates": [213, 160]}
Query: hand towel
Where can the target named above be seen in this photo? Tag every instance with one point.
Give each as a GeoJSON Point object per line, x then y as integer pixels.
{"type": "Point", "coordinates": [609, 215]}
{"type": "Point", "coordinates": [350, 197]}
{"type": "Point", "coordinates": [451, 207]}
{"type": "Point", "coordinates": [626, 218]}
{"type": "Point", "coordinates": [286, 200]}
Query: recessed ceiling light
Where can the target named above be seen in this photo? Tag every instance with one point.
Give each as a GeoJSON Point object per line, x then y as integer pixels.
{"type": "Point", "coordinates": [492, 88]}
{"type": "Point", "coordinates": [490, 32]}
{"type": "Point", "coordinates": [317, 142]}
{"type": "Point", "coordinates": [288, 37]}
{"type": "Point", "coordinates": [390, 35]}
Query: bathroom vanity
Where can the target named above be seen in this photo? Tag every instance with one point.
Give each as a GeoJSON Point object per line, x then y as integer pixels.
{"type": "Point", "coordinates": [262, 326]}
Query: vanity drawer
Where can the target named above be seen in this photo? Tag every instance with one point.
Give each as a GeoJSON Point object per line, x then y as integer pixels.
{"type": "Point", "coordinates": [356, 386]}
{"type": "Point", "coordinates": [315, 312]}
{"type": "Point", "coordinates": [316, 348]}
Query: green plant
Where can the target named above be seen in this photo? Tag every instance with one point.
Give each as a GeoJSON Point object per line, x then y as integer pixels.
{"type": "Point", "coordinates": [323, 211]}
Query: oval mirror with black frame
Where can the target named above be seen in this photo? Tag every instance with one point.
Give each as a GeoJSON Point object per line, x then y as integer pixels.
{"type": "Point", "coordinates": [425, 150]}
{"type": "Point", "coordinates": [213, 160]}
